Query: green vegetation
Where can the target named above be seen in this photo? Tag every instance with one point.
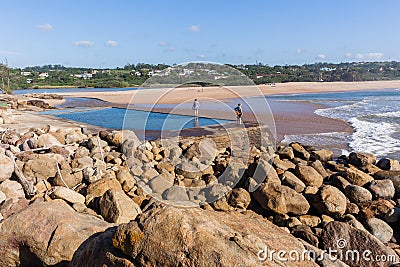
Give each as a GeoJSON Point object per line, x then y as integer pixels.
{"type": "Point", "coordinates": [132, 75]}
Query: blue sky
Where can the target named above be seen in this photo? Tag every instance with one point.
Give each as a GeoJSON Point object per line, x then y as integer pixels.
{"type": "Point", "coordinates": [102, 34]}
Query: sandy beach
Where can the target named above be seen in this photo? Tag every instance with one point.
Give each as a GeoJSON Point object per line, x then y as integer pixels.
{"type": "Point", "coordinates": [180, 95]}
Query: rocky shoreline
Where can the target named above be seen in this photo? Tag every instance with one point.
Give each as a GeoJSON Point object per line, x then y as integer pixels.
{"type": "Point", "coordinates": [72, 197]}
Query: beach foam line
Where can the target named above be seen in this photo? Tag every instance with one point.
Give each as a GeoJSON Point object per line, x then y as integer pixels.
{"type": "Point", "coordinates": [374, 137]}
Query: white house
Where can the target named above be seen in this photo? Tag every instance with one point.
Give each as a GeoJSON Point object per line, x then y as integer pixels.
{"type": "Point", "coordinates": [43, 75]}
{"type": "Point", "coordinates": [26, 73]}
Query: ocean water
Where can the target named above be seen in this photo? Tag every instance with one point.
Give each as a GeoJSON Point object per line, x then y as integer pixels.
{"type": "Point", "coordinates": [374, 116]}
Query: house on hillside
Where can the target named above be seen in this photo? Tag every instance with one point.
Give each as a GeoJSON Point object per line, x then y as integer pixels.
{"type": "Point", "coordinates": [43, 75]}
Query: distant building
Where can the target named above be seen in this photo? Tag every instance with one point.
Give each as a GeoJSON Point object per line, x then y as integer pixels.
{"type": "Point", "coordinates": [26, 73]}
{"type": "Point", "coordinates": [43, 75]}
{"type": "Point", "coordinates": [28, 80]}
{"type": "Point", "coordinates": [327, 69]}
{"type": "Point", "coordinates": [84, 76]}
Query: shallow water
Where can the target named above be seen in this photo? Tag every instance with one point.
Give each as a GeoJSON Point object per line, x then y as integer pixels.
{"type": "Point", "coordinates": [117, 118]}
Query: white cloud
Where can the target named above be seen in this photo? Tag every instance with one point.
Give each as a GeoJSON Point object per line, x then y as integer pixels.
{"type": "Point", "coordinates": [348, 55]}
{"type": "Point", "coordinates": [300, 50]}
{"type": "Point", "coordinates": [6, 52]}
{"type": "Point", "coordinates": [201, 56]}
{"type": "Point", "coordinates": [321, 56]}
{"type": "Point", "coordinates": [365, 56]}
{"type": "Point", "coordinates": [111, 43]}
{"type": "Point", "coordinates": [163, 43]}
{"type": "Point", "coordinates": [370, 56]}
{"type": "Point", "coordinates": [46, 27]}
{"type": "Point", "coordinates": [194, 28]}
{"type": "Point", "coordinates": [84, 43]}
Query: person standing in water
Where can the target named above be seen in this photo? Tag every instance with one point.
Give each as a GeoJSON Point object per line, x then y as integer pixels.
{"type": "Point", "coordinates": [239, 113]}
{"type": "Point", "coordinates": [195, 107]}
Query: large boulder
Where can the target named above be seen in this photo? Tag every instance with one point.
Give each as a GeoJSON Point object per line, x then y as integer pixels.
{"type": "Point", "coordinates": [357, 194]}
{"type": "Point", "coordinates": [98, 251]}
{"type": "Point", "coordinates": [40, 168]}
{"type": "Point", "coordinates": [356, 177]}
{"type": "Point", "coordinates": [389, 164]}
{"type": "Point", "coordinates": [345, 238]}
{"type": "Point", "coordinates": [238, 198]}
{"type": "Point", "coordinates": [70, 196]}
{"type": "Point", "coordinates": [12, 189]}
{"type": "Point", "coordinates": [270, 197]}
{"type": "Point", "coordinates": [296, 203]}
{"type": "Point", "coordinates": [196, 237]}
{"type": "Point", "coordinates": [7, 167]}
{"type": "Point", "coordinates": [117, 207]}
{"type": "Point", "coordinates": [329, 200]}
{"type": "Point", "coordinates": [309, 175]}
{"type": "Point", "coordinates": [382, 188]}
{"type": "Point", "coordinates": [291, 180]}
{"type": "Point", "coordinates": [394, 176]}
{"type": "Point", "coordinates": [99, 187]}
{"type": "Point", "coordinates": [322, 155]}
{"type": "Point", "coordinates": [45, 234]}
{"type": "Point", "coordinates": [380, 229]}
{"type": "Point", "coordinates": [300, 151]}
{"type": "Point", "coordinates": [47, 140]}
{"type": "Point", "coordinates": [67, 177]}
{"type": "Point", "coordinates": [361, 159]}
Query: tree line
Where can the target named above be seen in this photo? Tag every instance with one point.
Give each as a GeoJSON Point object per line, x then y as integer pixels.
{"type": "Point", "coordinates": [133, 75]}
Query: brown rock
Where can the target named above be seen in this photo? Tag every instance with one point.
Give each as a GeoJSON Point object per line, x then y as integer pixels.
{"type": "Point", "coordinates": [239, 198]}
{"type": "Point", "coordinates": [300, 151]}
{"type": "Point", "coordinates": [388, 164]}
{"type": "Point", "coordinates": [356, 177]}
{"type": "Point", "coordinates": [310, 220]}
{"type": "Point", "coordinates": [98, 250]}
{"type": "Point", "coordinates": [116, 207]}
{"type": "Point", "coordinates": [285, 152]}
{"type": "Point", "coordinates": [67, 177]}
{"type": "Point", "coordinates": [271, 197]}
{"type": "Point", "coordinates": [53, 236]}
{"type": "Point", "coordinates": [394, 176]}
{"type": "Point", "coordinates": [376, 208]}
{"type": "Point", "coordinates": [68, 195]}
{"type": "Point", "coordinates": [196, 237]}
{"type": "Point", "coordinates": [7, 167]}
{"type": "Point", "coordinates": [382, 188]}
{"type": "Point", "coordinates": [357, 194]}
{"type": "Point", "coordinates": [291, 180]}
{"type": "Point", "coordinates": [317, 165]}
{"type": "Point", "coordinates": [322, 155]}
{"type": "Point", "coordinates": [330, 201]}
{"type": "Point", "coordinates": [99, 187]}
{"type": "Point", "coordinates": [41, 168]}
{"type": "Point", "coordinates": [352, 239]}
{"type": "Point", "coordinates": [361, 159]}
{"type": "Point", "coordinates": [296, 203]}
{"type": "Point", "coordinates": [309, 175]}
